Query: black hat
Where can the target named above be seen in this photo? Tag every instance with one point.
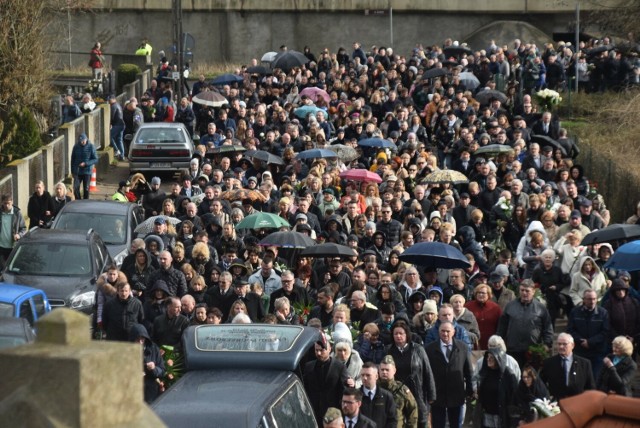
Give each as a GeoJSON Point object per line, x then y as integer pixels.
{"type": "Point", "coordinates": [124, 183]}
{"type": "Point", "coordinates": [240, 281]}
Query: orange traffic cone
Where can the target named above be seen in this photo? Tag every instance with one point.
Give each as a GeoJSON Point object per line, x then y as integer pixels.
{"type": "Point", "coordinates": [92, 184]}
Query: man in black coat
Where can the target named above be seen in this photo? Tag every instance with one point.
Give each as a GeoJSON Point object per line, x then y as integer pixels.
{"type": "Point", "coordinates": [377, 403]}
{"type": "Point", "coordinates": [567, 374]}
{"type": "Point", "coordinates": [295, 293]}
{"type": "Point", "coordinates": [450, 361]}
{"type": "Point", "coordinates": [351, 409]}
{"type": "Point", "coordinates": [120, 313]}
{"type": "Point", "coordinates": [324, 379]}
{"type": "Point", "coordinates": [168, 327]}
{"type": "Point", "coordinates": [251, 300]}
{"type": "Point", "coordinates": [175, 280]}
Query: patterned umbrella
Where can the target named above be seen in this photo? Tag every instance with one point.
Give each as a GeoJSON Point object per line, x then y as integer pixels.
{"type": "Point", "coordinates": [493, 150]}
{"type": "Point", "coordinates": [240, 194]}
{"type": "Point", "coordinates": [345, 153]}
{"type": "Point", "coordinates": [210, 98]}
{"type": "Point", "coordinates": [445, 176]}
{"type": "Point", "coordinates": [361, 175]}
{"type": "Point", "coordinates": [146, 226]}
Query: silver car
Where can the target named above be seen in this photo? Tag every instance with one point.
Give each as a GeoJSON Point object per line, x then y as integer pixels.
{"type": "Point", "coordinates": [160, 146]}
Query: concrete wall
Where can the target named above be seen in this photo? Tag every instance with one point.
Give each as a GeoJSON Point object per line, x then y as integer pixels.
{"type": "Point", "coordinates": [237, 36]}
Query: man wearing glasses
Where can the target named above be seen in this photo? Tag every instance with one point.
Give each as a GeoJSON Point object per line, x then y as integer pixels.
{"type": "Point", "coordinates": [390, 227]}
{"type": "Point", "coordinates": [567, 374]}
{"type": "Point", "coordinates": [351, 402]}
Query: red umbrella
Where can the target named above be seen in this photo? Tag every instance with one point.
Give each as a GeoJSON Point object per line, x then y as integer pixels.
{"type": "Point", "coordinates": [361, 175]}
{"type": "Point", "coordinates": [315, 93]}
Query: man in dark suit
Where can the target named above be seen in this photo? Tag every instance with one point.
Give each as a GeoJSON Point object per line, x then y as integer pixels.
{"type": "Point", "coordinates": [351, 403]}
{"type": "Point", "coordinates": [450, 361]}
{"type": "Point", "coordinates": [567, 374]}
{"type": "Point", "coordinates": [545, 127]}
{"type": "Point", "coordinates": [324, 379]}
{"type": "Point", "coordinates": [377, 403]}
{"type": "Point", "coordinates": [255, 310]}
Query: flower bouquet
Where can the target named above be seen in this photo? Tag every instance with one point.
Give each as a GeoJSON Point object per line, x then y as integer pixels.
{"type": "Point", "coordinates": [544, 408]}
{"type": "Point", "coordinates": [302, 311]}
{"type": "Point", "coordinates": [536, 354]}
{"type": "Point", "coordinates": [548, 98]}
{"type": "Point", "coordinates": [173, 365]}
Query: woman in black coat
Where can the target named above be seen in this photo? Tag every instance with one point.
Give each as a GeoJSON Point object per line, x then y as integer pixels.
{"type": "Point", "coordinates": [153, 363]}
{"type": "Point", "coordinates": [413, 368]}
{"type": "Point", "coordinates": [496, 387]}
{"type": "Point", "coordinates": [530, 388]}
{"type": "Point", "coordinates": [618, 369]}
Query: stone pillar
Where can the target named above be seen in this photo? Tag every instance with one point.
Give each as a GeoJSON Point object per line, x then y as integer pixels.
{"type": "Point", "coordinates": [67, 380]}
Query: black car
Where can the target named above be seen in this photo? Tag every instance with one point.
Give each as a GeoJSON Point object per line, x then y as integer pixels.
{"type": "Point", "coordinates": [65, 264]}
{"type": "Point", "coordinates": [114, 221]}
{"type": "Point", "coordinates": [241, 375]}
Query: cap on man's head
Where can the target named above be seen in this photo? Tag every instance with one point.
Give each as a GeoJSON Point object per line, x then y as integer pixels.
{"type": "Point", "coordinates": [586, 202]}
{"type": "Point", "coordinates": [388, 359]}
{"type": "Point", "coordinates": [301, 216]}
{"type": "Point", "coordinates": [501, 270]}
{"type": "Point", "coordinates": [160, 220]}
{"type": "Point", "coordinates": [547, 149]}
{"type": "Point", "coordinates": [576, 214]}
{"type": "Point", "coordinates": [124, 183]}
{"type": "Point", "coordinates": [394, 134]}
{"type": "Point", "coordinates": [83, 137]}
{"type": "Point", "coordinates": [254, 179]}
{"type": "Point", "coordinates": [495, 277]}
{"type": "Point", "coordinates": [240, 281]}
{"type": "Point", "coordinates": [329, 191]}
{"type": "Point", "coordinates": [155, 180]}
{"type": "Point", "coordinates": [464, 195]}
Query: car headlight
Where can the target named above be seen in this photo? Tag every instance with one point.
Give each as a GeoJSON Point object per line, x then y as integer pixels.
{"type": "Point", "coordinates": [119, 258]}
{"type": "Point", "coordinates": [83, 300]}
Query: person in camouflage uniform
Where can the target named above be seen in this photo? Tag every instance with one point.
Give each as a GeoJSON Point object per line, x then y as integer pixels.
{"type": "Point", "coordinates": [406, 406]}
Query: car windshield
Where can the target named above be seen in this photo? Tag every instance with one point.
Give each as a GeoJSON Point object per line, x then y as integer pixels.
{"type": "Point", "coordinates": [246, 338]}
{"type": "Point", "coordinates": [111, 228]}
{"type": "Point", "coordinates": [6, 310]}
{"type": "Point", "coordinates": [51, 259]}
{"type": "Point", "coordinates": [160, 135]}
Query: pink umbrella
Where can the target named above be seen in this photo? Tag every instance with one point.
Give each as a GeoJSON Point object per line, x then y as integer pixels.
{"type": "Point", "coordinates": [315, 93]}
{"type": "Point", "coordinates": [361, 175]}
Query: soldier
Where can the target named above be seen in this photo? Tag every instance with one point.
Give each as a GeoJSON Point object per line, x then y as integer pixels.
{"type": "Point", "coordinates": [406, 406]}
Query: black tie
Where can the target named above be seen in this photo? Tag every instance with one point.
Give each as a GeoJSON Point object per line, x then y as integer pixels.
{"type": "Point", "coordinates": [350, 425]}
{"type": "Point", "coordinates": [448, 352]}
{"type": "Point", "coordinates": [565, 370]}
{"type": "Point", "coordinates": [371, 396]}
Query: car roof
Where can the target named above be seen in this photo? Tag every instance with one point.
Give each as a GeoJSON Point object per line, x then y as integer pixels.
{"type": "Point", "coordinates": [11, 292]}
{"type": "Point", "coordinates": [237, 398]}
{"type": "Point", "coordinates": [55, 235]}
{"type": "Point", "coordinates": [104, 207]}
{"type": "Point", "coordinates": [162, 125]}
{"type": "Point", "coordinates": [247, 346]}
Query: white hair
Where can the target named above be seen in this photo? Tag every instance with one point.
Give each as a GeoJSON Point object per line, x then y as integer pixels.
{"type": "Point", "coordinates": [241, 319]}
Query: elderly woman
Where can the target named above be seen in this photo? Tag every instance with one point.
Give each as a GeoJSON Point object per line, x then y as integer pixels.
{"type": "Point", "coordinates": [486, 311]}
{"type": "Point", "coordinates": [618, 368]}
{"type": "Point", "coordinates": [410, 283]}
{"type": "Point", "coordinates": [283, 312]}
{"type": "Point", "coordinates": [465, 318]}
{"type": "Point", "coordinates": [344, 352]}
{"type": "Point", "coordinates": [60, 198]}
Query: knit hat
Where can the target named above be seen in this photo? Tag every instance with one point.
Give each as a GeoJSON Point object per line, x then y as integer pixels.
{"type": "Point", "coordinates": [430, 307]}
{"type": "Point", "coordinates": [341, 333]}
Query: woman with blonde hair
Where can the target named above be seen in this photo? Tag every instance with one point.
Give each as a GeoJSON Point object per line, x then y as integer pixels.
{"type": "Point", "coordinates": [201, 259]}
{"type": "Point", "coordinates": [618, 369]}
{"type": "Point", "coordinates": [237, 307]}
{"type": "Point", "coordinates": [168, 208]}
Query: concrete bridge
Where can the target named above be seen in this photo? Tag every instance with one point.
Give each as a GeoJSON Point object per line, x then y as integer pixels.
{"type": "Point", "coordinates": [235, 31]}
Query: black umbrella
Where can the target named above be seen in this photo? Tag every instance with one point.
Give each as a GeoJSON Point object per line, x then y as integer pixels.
{"type": "Point", "coordinates": [435, 72]}
{"type": "Point", "coordinates": [329, 250]}
{"type": "Point", "coordinates": [289, 59]}
{"type": "Point", "coordinates": [259, 69]}
{"type": "Point", "coordinates": [612, 233]}
{"type": "Point", "coordinates": [287, 239]}
{"type": "Point", "coordinates": [264, 157]}
{"type": "Point", "coordinates": [544, 140]}
{"type": "Point", "coordinates": [485, 97]}
{"type": "Point", "coordinates": [435, 255]}
{"type": "Point", "coordinates": [227, 79]}
{"type": "Point", "coordinates": [456, 51]}
{"type": "Point", "coordinates": [599, 49]}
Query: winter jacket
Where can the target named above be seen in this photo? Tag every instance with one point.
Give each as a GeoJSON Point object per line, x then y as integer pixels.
{"type": "Point", "coordinates": [176, 283]}
{"type": "Point", "coordinates": [507, 384]}
{"type": "Point", "coordinates": [591, 325]}
{"type": "Point", "coordinates": [461, 334]}
{"type": "Point", "coordinates": [18, 225]}
{"type": "Point", "coordinates": [522, 325]}
{"type": "Point", "coordinates": [150, 353]}
{"type": "Point", "coordinates": [119, 315]}
{"type": "Point", "coordinates": [618, 378]}
{"type": "Point", "coordinates": [139, 276]}
{"type": "Point", "coordinates": [581, 282]}
{"type": "Point", "coordinates": [392, 231]}
{"type": "Point", "coordinates": [83, 153]}
{"type": "Point", "coordinates": [471, 246]}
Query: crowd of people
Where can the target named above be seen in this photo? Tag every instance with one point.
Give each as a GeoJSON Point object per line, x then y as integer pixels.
{"type": "Point", "coordinates": [396, 338]}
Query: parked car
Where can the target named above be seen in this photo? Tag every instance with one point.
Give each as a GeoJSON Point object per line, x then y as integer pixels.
{"type": "Point", "coordinates": [20, 301]}
{"type": "Point", "coordinates": [65, 264]}
{"type": "Point", "coordinates": [251, 370]}
{"type": "Point", "coordinates": [160, 146]}
{"type": "Point", "coordinates": [114, 221]}
{"type": "Point", "coordinates": [15, 332]}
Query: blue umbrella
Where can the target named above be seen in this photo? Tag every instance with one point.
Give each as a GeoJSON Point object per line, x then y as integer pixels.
{"type": "Point", "coordinates": [377, 142]}
{"type": "Point", "coordinates": [227, 79]}
{"type": "Point", "coordinates": [626, 257]}
{"type": "Point", "coordinates": [435, 255]}
{"type": "Point", "coordinates": [303, 111]}
{"type": "Point", "coordinates": [317, 153]}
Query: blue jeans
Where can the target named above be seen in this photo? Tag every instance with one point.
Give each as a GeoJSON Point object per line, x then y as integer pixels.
{"type": "Point", "coordinates": [116, 134]}
{"type": "Point", "coordinates": [83, 179]}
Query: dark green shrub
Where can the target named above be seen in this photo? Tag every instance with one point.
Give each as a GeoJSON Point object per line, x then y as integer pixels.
{"type": "Point", "coordinates": [126, 73]}
{"type": "Point", "coordinates": [26, 135]}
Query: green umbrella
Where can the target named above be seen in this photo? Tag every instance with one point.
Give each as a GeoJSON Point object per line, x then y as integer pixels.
{"type": "Point", "coordinates": [261, 221]}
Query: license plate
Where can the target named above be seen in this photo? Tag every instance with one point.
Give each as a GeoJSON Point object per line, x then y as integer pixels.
{"type": "Point", "coordinates": [160, 164]}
